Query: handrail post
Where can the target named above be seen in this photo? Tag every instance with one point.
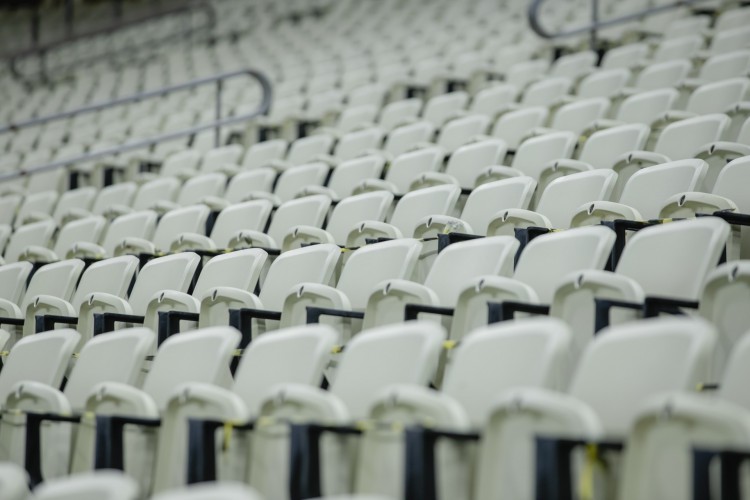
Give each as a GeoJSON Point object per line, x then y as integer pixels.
{"type": "Point", "coordinates": [217, 131]}
{"type": "Point", "coordinates": [594, 24]}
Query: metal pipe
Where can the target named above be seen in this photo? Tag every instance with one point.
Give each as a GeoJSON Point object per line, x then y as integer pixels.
{"type": "Point", "coordinates": [262, 108]}
{"type": "Point", "coordinates": [533, 16]}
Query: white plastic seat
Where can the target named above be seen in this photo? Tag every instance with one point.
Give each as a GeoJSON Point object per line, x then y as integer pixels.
{"type": "Point", "coordinates": [402, 139]}
{"type": "Point", "coordinates": [396, 113]}
{"type": "Point", "coordinates": [195, 190]}
{"type": "Point", "coordinates": [440, 108]}
{"type": "Point", "coordinates": [210, 491]}
{"type": "Point", "coordinates": [36, 206]}
{"type": "Point", "coordinates": [347, 175]}
{"type": "Point", "coordinates": [465, 164]}
{"type": "Point", "coordinates": [215, 158]}
{"type": "Point", "coordinates": [81, 231]}
{"type": "Point", "coordinates": [404, 170]}
{"type": "Point", "coordinates": [183, 162]}
{"type": "Point", "coordinates": [256, 180]}
{"type": "Point", "coordinates": [574, 65]}
{"type": "Point", "coordinates": [546, 92]}
{"type": "Point", "coordinates": [263, 153]}
{"type": "Point", "coordinates": [492, 100]}
{"type": "Point", "coordinates": [99, 485]}
{"type": "Point", "coordinates": [190, 219]}
{"type": "Point", "coordinates": [603, 83]}
{"type": "Point", "coordinates": [78, 200]}
{"type": "Point", "coordinates": [304, 150]}
{"type": "Point", "coordinates": [13, 482]}
{"type": "Point", "coordinates": [455, 133]}
{"type": "Point", "coordinates": [353, 144]}
{"type": "Point", "coordinates": [513, 127]}
{"type": "Point", "coordinates": [293, 181]}
{"type": "Point", "coordinates": [35, 234]}
{"type": "Point", "coordinates": [684, 47]}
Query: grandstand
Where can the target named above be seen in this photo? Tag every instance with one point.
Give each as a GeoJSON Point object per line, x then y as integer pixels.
{"type": "Point", "coordinates": [374, 250]}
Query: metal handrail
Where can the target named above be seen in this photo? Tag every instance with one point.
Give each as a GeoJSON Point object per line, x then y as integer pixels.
{"type": "Point", "coordinates": [596, 24]}
{"type": "Point", "coordinates": [42, 50]}
{"type": "Point", "coordinates": [262, 108]}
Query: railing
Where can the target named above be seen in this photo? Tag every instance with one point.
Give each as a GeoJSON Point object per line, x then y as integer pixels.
{"type": "Point", "coordinates": [143, 143]}
{"type": "Point", "coordinates": [42, 50]}
{"type": "Point", "coordinates": [597, 24]}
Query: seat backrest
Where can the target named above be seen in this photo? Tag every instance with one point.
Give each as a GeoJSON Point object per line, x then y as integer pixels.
{"type": "Point", "coordinates": [602, 149]}
{"type": "Point", "coordinates": [547, 91]}
{"type": "Point", "coordinates": [307, 211]}
{"type": "Point", "coordinates": [113, 276]}
{"type": "Point", "coordinates": [294, 355]}
{"type": "Point", "coordinates": [684, 138]}
{"type": "Point", "coordinates": [109, 484]}
{"type": "Point", "coordinates": [625, 56]}
{"type": "Point", "coordinates": [731, 181]}
{"type": "Point", "coordinates": [202, 186]}
{"type": "Point", "coordinates": [43, 202]}
{"type": "Point", "coordinates": [312, 264]}
{"type": "Point", "coordinates": [583, 248]}
{"type": "Point", "coordinates": [191, 219]}
{"type": "Point", "coordinates": [493, 99]}
{"type": "Point", "coordinates": [348, 174]}
{"type": "Point", "coordinates": [563, 196]}
{"type": "Point", "coordinates": [578, 115]}
{"type": "Point", "coordinates": [352, 144]}
{"type": "Point", "coordinates": [35, 234]}
{"type": "Point", "coordinates": [438, 109]}
{"type": "Point", "coordinates": [80, 198]}
{"type": "Point", "coordinates": [456, 133]}
{"type": "Point", "coordinates": [185, 160]}
{"type": "Point", "coordinates": [222, 155]}
{"type": "Point", "coordinates": [355, 209]}
{"type": "Point", "coordinates": [460, 263]}
{"type": "Point", "coordinates": [406, 167]}
{"type": "Point", "coordinates": [678, 48]}
{"type": "Point", "coordinates": [487, 200]}
{"type": "Point", "coordinates": [211, 491]}
{"type": "Point", "coordinates": [718, 97]}
{"type": "Point", "coordinates": [673, 260]}
{"type": "Point", "coordinates": [38, 358]}
{"type": "Point", "coordinates": [295, 179]}
{"type": "Point", "coordinates": [395, 354]}
{"type": "Point", "coordinates": [13, 278]}
{"type": "Point", "coordinates": [394, 113]}
{"type": "Point", "coordinates": [371, 264]}
{"type": "Point", "coordinates": [574, 65]}
{"type": "Point", "coordinates": [603, 83]}
{"type": "Point", "coordinates": [529, 352]}
{"type": "Point", "coordinates": [533, 155]}
{"type": "Point", "coordinates": [198, 356]}
{"type": "Point", "coordinates": [250, 215]}
{"type": "Point", "coordinates": [256, 179]}
{"type": "Point", "coordinates": [110, 357]}
{"type": "Point", "coordinates": [307, 148]}
{"type": "Point", "coordinates": [649, 188]}
{"type": "Point", "coordinates": [141, 224]}
{"type": "Point", "coordinates": [88, 229]}
{"type": "Point", "coordinates": [401, 139]}
{"type": "Point", "coordinates": [523, 73]}
{"type": "Point", "coordinates": [730, 40]}
{"type": "Point", "coordinates": [121, 193]}
{"type": "Point", "coordinates": [645, 107]}
{"type": "Point", "coordinates": [628, 363]}
{"type": "Point", "coordinates": [513, 126]}
{"type": "Point", "coordinates": [240, 269]}
{"type": "Point", "coordinates": [261, 154]}
{"type": "Point", "coordinates": [57, 279]}
{"type": "Point", "coordinates": [416, 205]}
{"type": "Point", "coordinates": [467, 162]}
{"type": "Point", "coordinates": [161, 189]}
{"type": "Point", "coordinates": [172, 272]}
{"type": "Point", "coordinates": [663, 74]}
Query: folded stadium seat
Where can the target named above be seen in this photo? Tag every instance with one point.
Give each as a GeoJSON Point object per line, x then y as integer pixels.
{"type": "Point", "coordinates": [352, 118]}
{"type": "Point", "coordinates": [308, 211]}
{"type": "Point", "coordinates": [403, 138]}
{"type": "Point", "coordinates": [728, 41]}
{"type": "Point", "coordinates": [514, 126]}
{"type": "Point", "coordinates": [441, 108]}
{"type": "Point", "coordinates": [398, 113]}
{"type": "Point", "coordinates": [105, 484]}
{"type": "Point", "coordinates": [148, 195]}
{"type": "Point", "coordinates": [660, 75]}
{"type": "Point", "coordinates": [195, 190]}
{"type": "Point", "coordinates": [9, 204]}
{"type": "Point", "coordinates": [321, 106]}
{"type": "Point", "coordinates": [211, 491]}
{"type": "Point", "coordinates": [86, 230]}
{"type": "Point", "coordinates": [601, 150]}
{"type": "Point", "coordinates": [303, 352]}
{"type": "Point", "coordinates": [547, 92]}
{"type": "Point", "coordinates": [635, 289]}
{"type": "Point", "coordinates": [347, 175]}
{"type": "Point", "coordinates": [558, 204]}
{"type": "Point", "coordinates": [227, 228]}
{"type": "Point", "coordinates": [524, 73]}
{"type": "Point", "coordinates": [347, 213]}
{"type": "Point", "coordinates": [371, 94]}
{"type": "Point", "coordinates": [718, 154]}
{"type": "Point", "coordinates": [731, 18]}
{"type": "Point", "coordinates": [684, 47]}
{"type": "Point", "coordinates": [465, 164]}
{"type": "Point", "coordinates": [677, 141]}
{"type": "Point", "coordinates": [304, 150]}
{"type": "Point", "coordinates": [412, 350]}
{"type": "Point", "coordinates": [353, 144]}
{"type": "Point", "coordinates": [181, 164]}
{"type": "Point", "coordinates": [724, 66]}
{"type": "Point", "coordinates": [575, 65]}
{"type": "Point", "coordinates": [13, 280]}
{"type": "Point", "coordinates": [722, 302]}
{"type": "Point", "coordinates": [492, 100]}
{"type": "Point", "coordinates": [35, 207]}
{"type": "Point", "coordinates": [603, 83]}
{"type": "Point", "coordinates": [263, 153]}
{"type": "Point", "coordinates": [190, 219]}
{"type": "Point", "coordinates": [686, 26]}
{"type": "Point", "coordinates": [460, 131]}
{"type": "Point", "coordinates": [643, 107]}
{"type": "Point", "coordinates": [34, 234]}
{"type": "Point", "coordinates": [222, 159]}
{"type": "Point", "coordinates": [403, 170]}
{"type": "Point", "coordinates": [113, 357]}
{"type": "Point", "coordinates": [69, 206]}
{"type": "Point", "coordinates": [257, 180]}
{"type": "Point", "coordinates": [628, 56]}
{"type": "Point", "coordinates": [13, 482]}
{"type": "Point", "coordinates": [139, 225]}
{"type": "Point", "coordinates": [533, 156]}
{"type": "Point", "coordinates": [576, 116]}
{"type": "Point", "coordinates": [79, 200]}
{"type": "Point", "coordinates": [201, 356]}
{"type": "Point", "coordinates": [634, 362]}
{"type": "Point", "coordinates": [408, 214]}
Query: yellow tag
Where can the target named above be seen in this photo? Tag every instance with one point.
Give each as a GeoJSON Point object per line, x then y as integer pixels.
{"type": "Point", "coordinates": [586, 479]}
{"type": "Point", "coordinates": [344, 250]}
{"type": "Point", "coordinates": [449, 344]}
{"type": "Point", "coordinates": [89, 416]}
{"type": "Point", "coordinates": [4, 353]}
{"type": "Point", "coordinates": [337, 349]}
{"type": "Point", "coordinates": [76, 355]}
{"type": "Point", "coordinates": [237, 353]}
{"type": "Point", "coordinates": [228, 429]}
{"type": "Point", "coordinates": [363, 425]}
{"type": "Point", "coordinates": [265, 421]}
